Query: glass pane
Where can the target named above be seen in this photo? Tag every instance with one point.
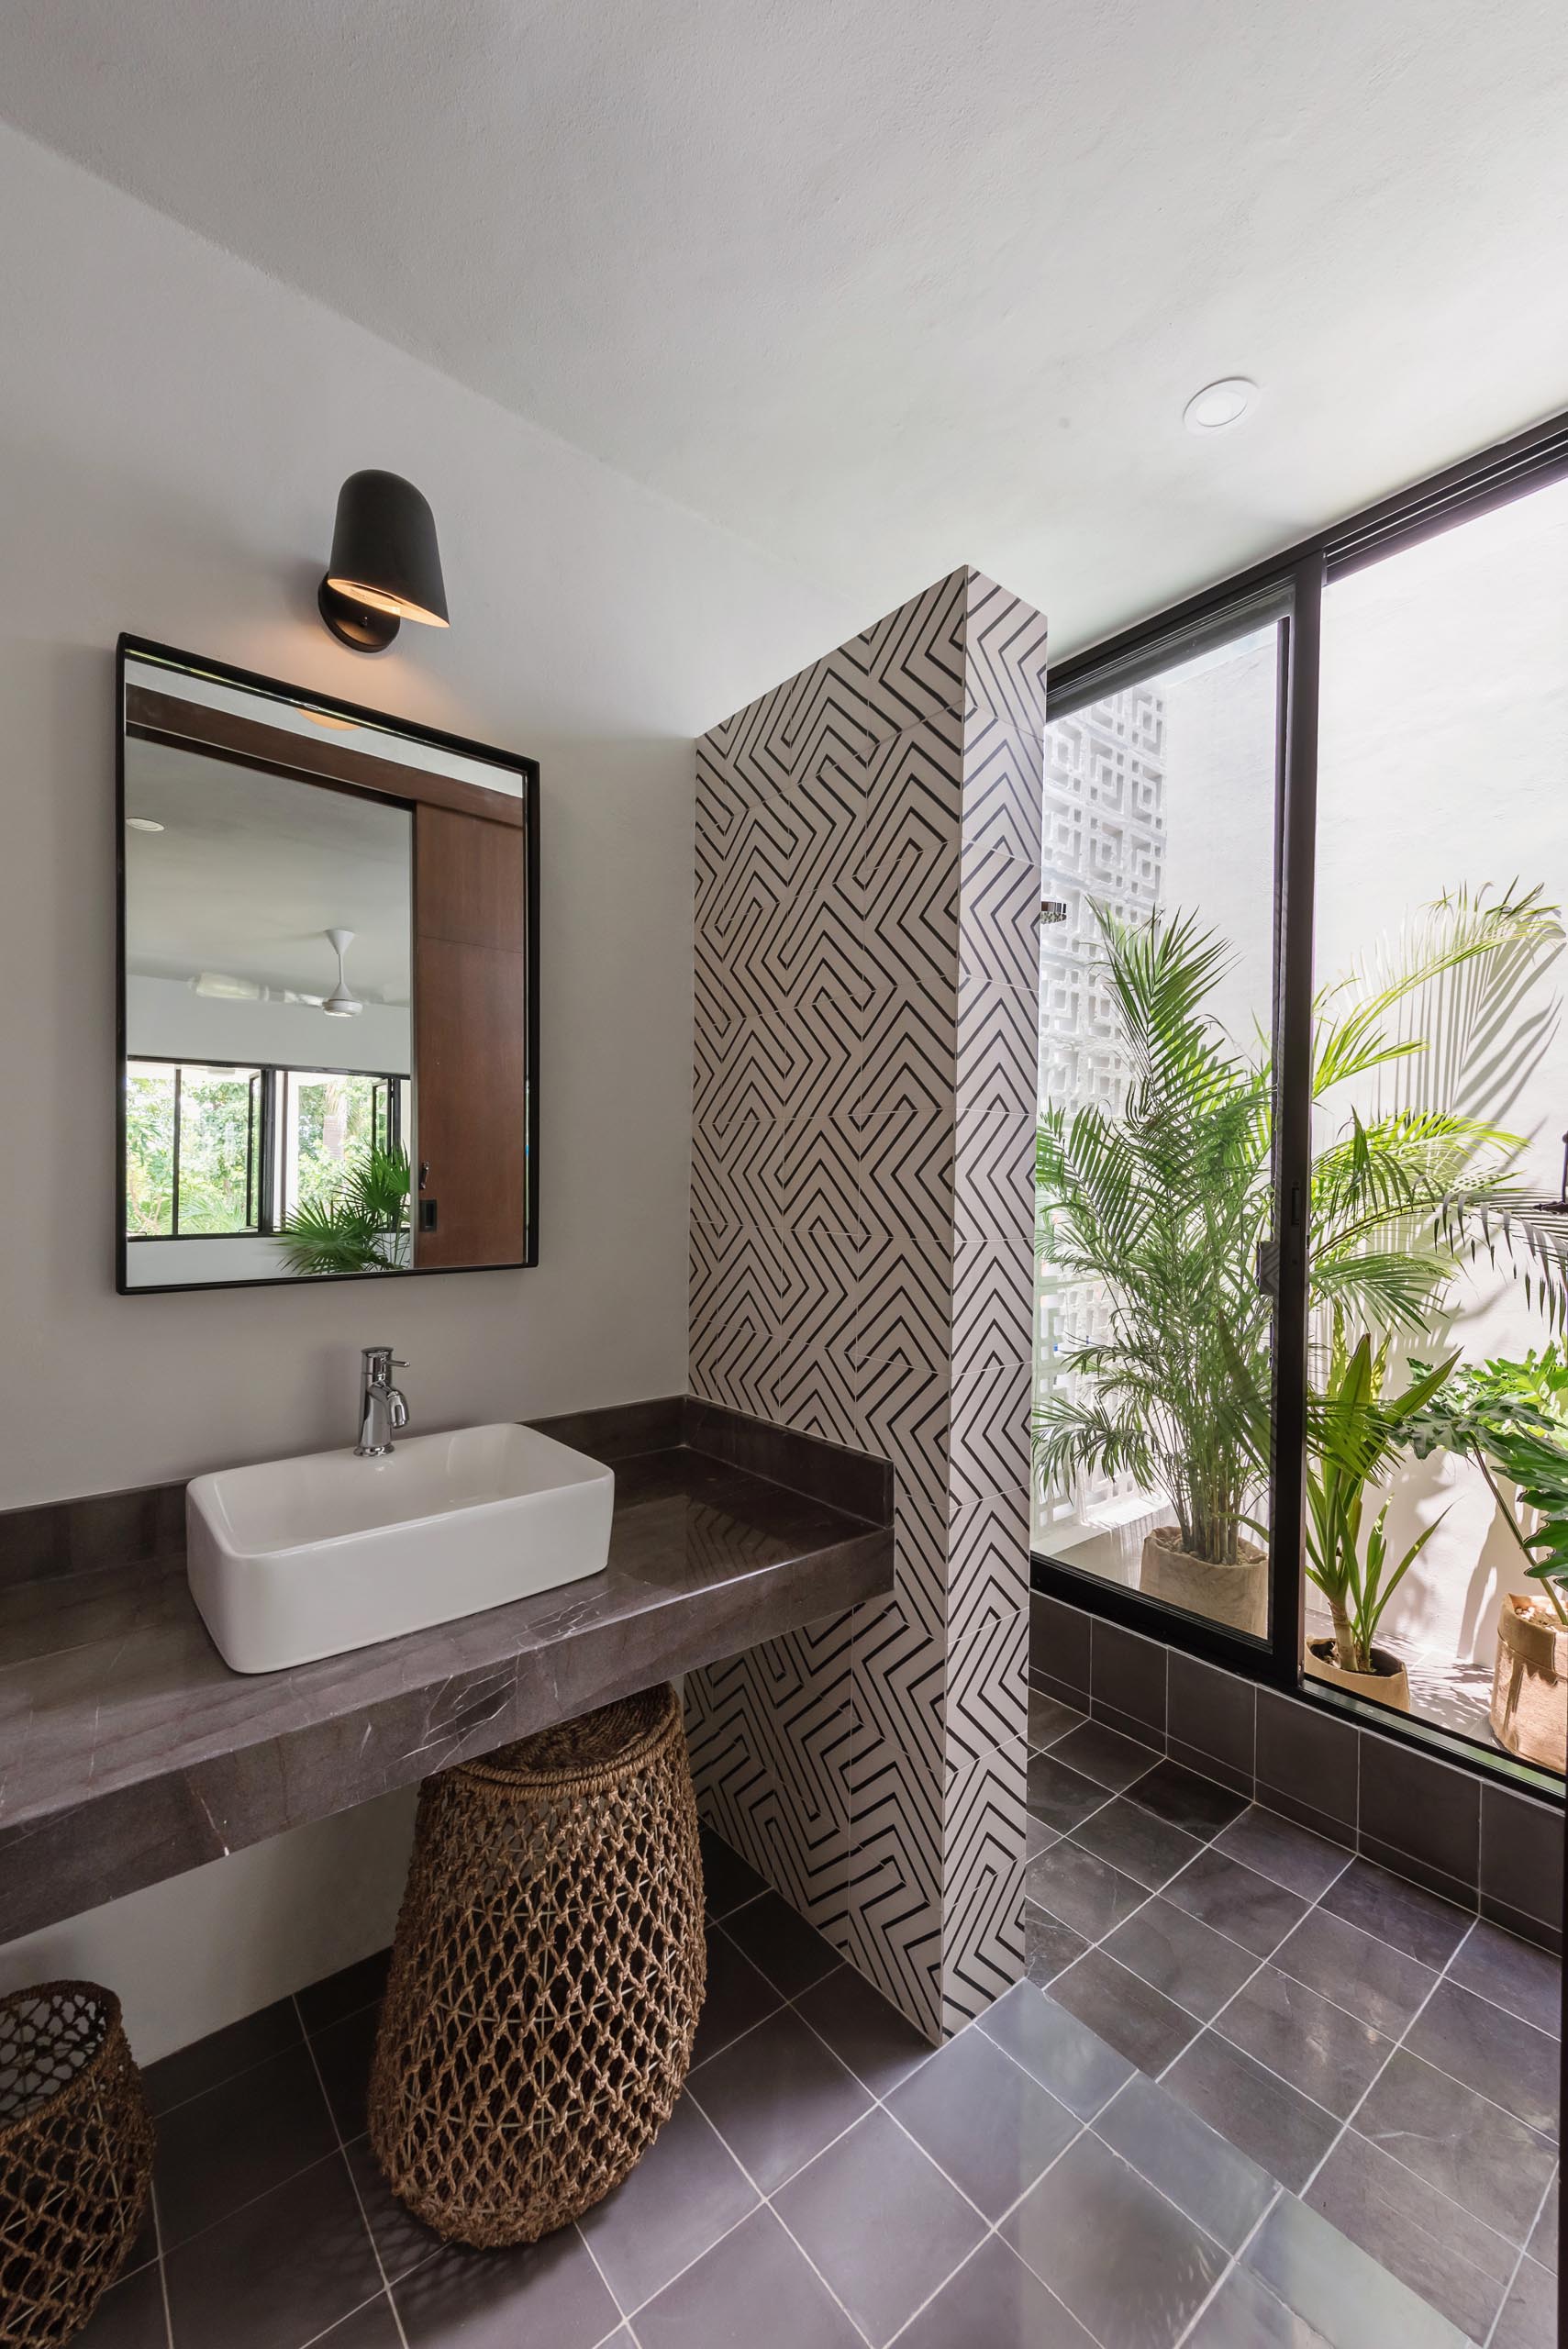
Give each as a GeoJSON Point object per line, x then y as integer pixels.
{"type": "Point", "coordinates": [1437, 1333]}
{"type": "Point", "coordinates": [1153, 1353]}
{"type": "Point", "coordinates": [342, 1181]}
{"type": "Point", "coordinates": [150, 1149]}
{"type": "Point", "coordinates": [217, 1144]}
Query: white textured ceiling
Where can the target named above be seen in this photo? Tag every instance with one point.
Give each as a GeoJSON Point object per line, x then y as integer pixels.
{"type": "Point", "coordinates": [889, 286]}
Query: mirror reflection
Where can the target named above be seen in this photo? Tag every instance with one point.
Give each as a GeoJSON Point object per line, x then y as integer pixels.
{"type": "Point", "coordinates": [324, 992]}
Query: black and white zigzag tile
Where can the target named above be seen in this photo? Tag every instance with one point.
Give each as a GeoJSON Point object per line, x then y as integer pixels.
{"type": "Point", "coordinates": [867, 896]}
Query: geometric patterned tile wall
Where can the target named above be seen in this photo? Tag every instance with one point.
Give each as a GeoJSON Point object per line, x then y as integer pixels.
{"type": "Point", "coordinates": [867, 976]}
{"type": "Point", "coordinates": [1104, 840]}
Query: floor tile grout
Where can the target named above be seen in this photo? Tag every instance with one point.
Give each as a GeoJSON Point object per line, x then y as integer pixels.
{"type": "Point", "coordinates": [353, 2183]}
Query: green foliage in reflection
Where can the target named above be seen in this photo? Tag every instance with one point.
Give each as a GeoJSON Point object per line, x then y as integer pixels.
{"type": "Point", "coordinates": [361, 1226]}
{"type": "Point", "coordinates": [1162, 1207]}
{"type": "Point", "coordinates": [214, 1131]}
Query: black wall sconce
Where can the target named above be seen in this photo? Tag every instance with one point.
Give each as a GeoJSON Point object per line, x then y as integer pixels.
{"type": "Point", "coordinates": [385, 566]}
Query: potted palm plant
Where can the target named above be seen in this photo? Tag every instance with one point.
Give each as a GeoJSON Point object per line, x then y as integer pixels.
{"type": "Point", "coordinates": [1511, 1419]}
{"type": "Point", "coordinates": [361, 1227]}
{"type": "Point", "coordinates": [1163, 1207]}
{"type": "Point", "coordinates": [1354, 1433]}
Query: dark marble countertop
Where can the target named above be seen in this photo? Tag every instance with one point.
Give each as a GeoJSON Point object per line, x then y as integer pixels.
{"type": "Point", "coordinates": [129, 1751]}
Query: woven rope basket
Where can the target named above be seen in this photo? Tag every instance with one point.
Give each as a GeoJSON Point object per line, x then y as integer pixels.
{"type": "Point", "coordinates": [75, 2158]}
{"type": "Point", "coordinates": [547, 1975]}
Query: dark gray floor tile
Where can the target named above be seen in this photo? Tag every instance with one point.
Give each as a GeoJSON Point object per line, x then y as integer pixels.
{"type": "Point", "coordinates": [1512, 1974]}
{"type": "Point", "coordinates": [754, 2288]}
{"type": "Point", "coordinates": [345, 1992]}
{"type": "Point", "coordinates": [1284, 1852]}
{"type": "Point", "coordinates": [1530, 2313]}
{"type": "Point", "coordinates": [1147, 1849]}
{"type": "Point", "coordinates": [1448, 2258]}
{"type": "Point", "coordinates": [1543, 2244]}
{"type": "Point", "coordinates": [1138, 2022]}
{"type": "Point", "coordinates": [1476, 2153]}
{"type": "Point", "coordinates": [1079, 1890]}
{"type": "Point", "coordinates": [342, 2054]}
{"type": "Point", "coordinates": [685, 2193]}
{"type": "Point", "coordinates": [129, 2316]}
{"type": "Point", "coordinates": [994, 2302]}
{"type": "Point", "coordinates": [277, 2273]}
{"type": "Point", "coordinates": [145, 2248]}
{"type": "Point", "coordinates": [1060, 1797]}
{"type": "Point", "coordinates": [1049, 1718]}
{"type": "Point", "coordinates": [984, 2121]}
{"type": "Point", "coordinates": [1203, 1765]}
{"type": "Point", "coordinates": [1200, 2171]}
{"type": "Point", "coordinates": [1037, 1836]}
{"type": "Point", "coordinates": [1129, 2264]}
{"type": "Point", "coordinates": [1101, 1755]}
{"type": "Point", "coordinates": [1050, 1946]}
{"type": "Point", "coordinates": [237, 2141]}
{"type": "Point", "coordinates": [371, 2327]}
{"type": "Point", "coordinates": [1366, 1977]}
{"type": "Point", "coordinates": [403, 2242]}
{"type": "Point", "coordinates": [223, 2054]}
{"type": "Point", "coordinates": [1329, 2281]}
{"type": "Point", "coordinates": [1237, 1901]}
{"type": "Point", "coordinates": [1318, 2048]}
{"type": "Point", "coordinates": [1186, 1799]}
{"type": "Point", "coordinates": [879, 2223]}
{"type": "Point", "coordinates": [1244, 2314]}
{"type": "Point", "coordinates": [1262, 2116]}
{"type": "Point", "coordinates": [1180, 1955]}
{"type": "Point", "coordinates": [777, 2097]}
{"type": "Point", "coordinates": [1496, 2053]}
{"type": "Point", "coordinates": [879, 2044]}
{"type": "Point", "coordinates": [1424, 1926]}
{"type": "Point", "coordinates": [1410, 1867]}
{"type": "Point", "coordinates": [729, 1881]}
{"type": "Point", "coordinates": [1056, 2049]}
{"type": "Point", "coordinates": [737, 1997]}
{"type": "Point", "coordinates": [780, 1944]}
{"type": "Point", "coordinates": [548, 2292]}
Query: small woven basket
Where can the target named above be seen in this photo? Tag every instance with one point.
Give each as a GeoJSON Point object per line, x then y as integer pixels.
{"type": "Point", "coordinates": [75, 2158]}
{"type": "Point", "coordinates": [547, 1975]}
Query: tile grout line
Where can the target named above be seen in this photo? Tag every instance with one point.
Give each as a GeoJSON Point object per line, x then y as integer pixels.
{"type": "Point", "coordinates": [1524, 2253]}
{"type": "Point", "coordinates": [162, 2270]}
{"type": "Point", "coordinates": [353, 2182]}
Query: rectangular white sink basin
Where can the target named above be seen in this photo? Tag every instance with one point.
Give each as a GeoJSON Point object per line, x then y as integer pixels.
{"type": "Point", "coordinates": [298, 1559]}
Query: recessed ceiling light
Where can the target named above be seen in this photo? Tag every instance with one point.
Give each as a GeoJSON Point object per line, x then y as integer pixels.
{"type": "Point", "coordinates": [142, 824]}
{"type": "Point", "coordinates": [1220, 404]}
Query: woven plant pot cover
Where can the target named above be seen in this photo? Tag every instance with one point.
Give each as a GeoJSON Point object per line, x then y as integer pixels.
{"type": "Point", "coordinates": [75, 2157]}
{"type": "Point", "coordinates": [547, 1975]}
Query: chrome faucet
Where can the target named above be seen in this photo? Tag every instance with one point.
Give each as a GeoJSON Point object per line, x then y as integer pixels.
{"type": "Point", "coordinates": [383, 1406]}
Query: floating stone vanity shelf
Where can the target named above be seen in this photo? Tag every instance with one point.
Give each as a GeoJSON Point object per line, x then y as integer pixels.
{"type": "Point", "coordinates": [129, 1752]}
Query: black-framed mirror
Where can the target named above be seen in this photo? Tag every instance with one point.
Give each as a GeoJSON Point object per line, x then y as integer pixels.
{"type": "Point", "coordinates": [329, 987]}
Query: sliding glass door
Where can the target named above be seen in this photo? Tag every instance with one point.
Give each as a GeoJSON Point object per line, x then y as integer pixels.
{"type": "Point", "coordinates": [1301, 1389]}
{"type": "Point", "coordinates": [1154, 1357]}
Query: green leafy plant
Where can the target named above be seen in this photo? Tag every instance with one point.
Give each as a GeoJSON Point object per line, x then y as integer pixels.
{"type": "Point", "coordinates": [1164, 1208]}
{"type": "Point", "coordinates": [362, 1227]}
{"type": "Point", "coordinates": [1354, 1433]}
{"type": "Point", "coordinates": [1511, 1418]}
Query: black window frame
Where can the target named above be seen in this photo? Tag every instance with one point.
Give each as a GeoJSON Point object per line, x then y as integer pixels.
{"type": "Point", "coordinates": [261, 1168]}
{"type": "Point", "coordinates": [1296, 579]}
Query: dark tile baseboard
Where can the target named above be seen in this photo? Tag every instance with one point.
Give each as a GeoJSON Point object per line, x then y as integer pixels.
{"type": "Point", "coordinates": [1486, 1846]}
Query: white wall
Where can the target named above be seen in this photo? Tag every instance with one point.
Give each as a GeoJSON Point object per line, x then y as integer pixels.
{"type": "Point", "coordinates": [173, 429]}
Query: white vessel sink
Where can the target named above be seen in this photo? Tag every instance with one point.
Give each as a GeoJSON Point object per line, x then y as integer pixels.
{"type": "Point", "coordinates": [304, 1558]}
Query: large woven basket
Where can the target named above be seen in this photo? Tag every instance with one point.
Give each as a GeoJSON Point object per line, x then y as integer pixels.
{"type": "Point", "coordinates": [547, 1975]}
{"type": "Point", "coordinates": [75, 2158]}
